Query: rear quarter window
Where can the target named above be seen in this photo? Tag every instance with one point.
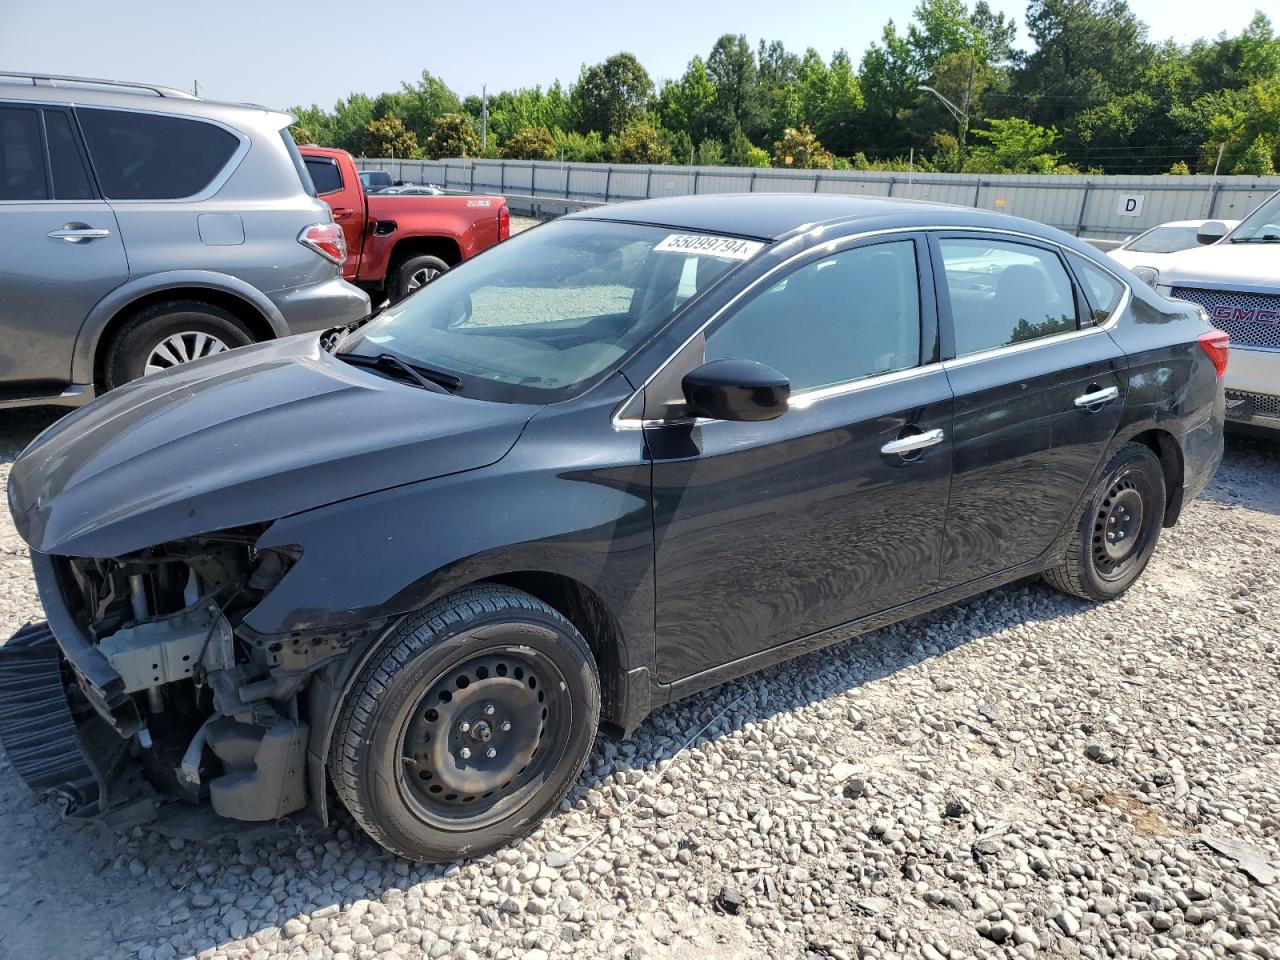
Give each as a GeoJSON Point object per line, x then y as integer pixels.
{"type": "Point", "coordinates": [147, 156]}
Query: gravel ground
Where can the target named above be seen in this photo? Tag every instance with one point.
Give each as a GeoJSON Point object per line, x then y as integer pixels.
{"type": "Point", "coordinates": [1022, 774]}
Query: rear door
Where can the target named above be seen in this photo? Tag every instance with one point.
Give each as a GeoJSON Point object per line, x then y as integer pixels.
{"type": "Point", "coordinates": [346, 202]}
{"type": "Point", "coordinates": [771, 531]}
{"type": "Point", "coordinates": [60, 248]}
{"type": "Point", "coordinates": [1038, 387]}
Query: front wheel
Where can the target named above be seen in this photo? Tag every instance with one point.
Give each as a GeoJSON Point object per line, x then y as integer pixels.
{"type": "Point", "coordinates": [468, 726]}
{"type": "Point", "coordinates": [1118, 530]}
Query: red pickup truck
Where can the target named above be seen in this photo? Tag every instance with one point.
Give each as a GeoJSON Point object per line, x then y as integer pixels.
{"type": "Point", "coordinates": [396, 243]}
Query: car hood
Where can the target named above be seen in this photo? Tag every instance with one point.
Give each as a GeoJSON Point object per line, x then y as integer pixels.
{"type": "Point", "coordinates": [250, 436]}
{"type": "Point", "coordinates": [1251, 264]}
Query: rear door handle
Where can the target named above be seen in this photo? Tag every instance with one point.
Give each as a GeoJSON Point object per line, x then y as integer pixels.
{"type": "Point", "coordinates": [78, 233]}
{"type": "Point", "coordinates": [919, 441]}
{"type": "Point", "coordinates": [1095, 397]}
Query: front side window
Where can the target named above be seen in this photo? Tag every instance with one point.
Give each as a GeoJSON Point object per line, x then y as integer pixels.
{"type": "Point", "coordinates": [537, 317]}
{"type": "Point", "coordinates": [849, 316]}
{"type": "Point", "coordinates": [1003, 293]}
{"type": "Point", "coordinates": [324, 174]}
{"type": "Point", "coordinates": [147, 156]}
{"type": "Point", "coordinates": [22, 173]}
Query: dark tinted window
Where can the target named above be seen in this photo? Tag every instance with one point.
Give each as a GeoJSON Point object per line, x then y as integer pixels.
{"type": "Point", "coordinates": [21, 157]}
{"type": "Point", "coordinates": [1102, 289]}
{"type": "Point", "coordinates": [1004, 293]}
{"type": "Point", "coordinates": [852, 315]}
{"type": "Point", "coordinates": [70, 177]}
{"type": "Point", "coordinates": [144, 156]}
{"type": "Point", "coordinates": [324, 174]}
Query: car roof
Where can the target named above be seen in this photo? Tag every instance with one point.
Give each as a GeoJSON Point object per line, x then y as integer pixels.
{"type": "Point", "coordinates": [768, 216]}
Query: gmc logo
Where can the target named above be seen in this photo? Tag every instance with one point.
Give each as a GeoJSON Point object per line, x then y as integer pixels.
{"type": "Point", "coordinates": [1245, 315]}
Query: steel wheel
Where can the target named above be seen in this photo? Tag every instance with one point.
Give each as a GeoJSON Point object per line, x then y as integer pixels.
{"type": "Point", "coordinates": [485, 732]}
{"type": "Point", "coordinates": [179, 348]}
{"type": "Point", "coordinates": [1118, 528]}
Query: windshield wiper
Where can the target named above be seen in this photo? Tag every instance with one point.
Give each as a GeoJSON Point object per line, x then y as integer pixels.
{"type": "Point", "coordinates": [1265, 238]}
{"type": "Point", "coordinates": [437, 381]}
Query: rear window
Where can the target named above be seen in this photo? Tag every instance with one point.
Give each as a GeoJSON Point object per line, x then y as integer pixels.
{"type": "Point", "coordinates": [21, 166]}
{"type": "Point", "coordinates": [70, 177]}
{"type": "Point", "coordinates": [147, 156]}
{"type": "Point", "coordinates": [324, 174]}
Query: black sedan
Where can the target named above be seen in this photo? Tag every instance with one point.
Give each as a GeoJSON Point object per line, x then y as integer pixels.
{"type": "Point", "coordinates": [624, 456]}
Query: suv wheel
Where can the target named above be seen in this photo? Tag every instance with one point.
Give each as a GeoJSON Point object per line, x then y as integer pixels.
{"type": "Point", "coordinates": [413, 274]}
{"type": "Point", "coordinates": [168, 334]}
{"type": "Point", "coordinates": [471, 722]}
{"type": "Point", "coordinates": [1118, 532]}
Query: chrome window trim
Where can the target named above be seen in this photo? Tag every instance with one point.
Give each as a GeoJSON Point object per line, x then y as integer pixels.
{"type": "Point", "coordinates": [837, 244]}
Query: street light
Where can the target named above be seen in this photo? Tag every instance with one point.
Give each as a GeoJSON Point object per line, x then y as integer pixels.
{"type": "Point", "coordinates": [961, 114]}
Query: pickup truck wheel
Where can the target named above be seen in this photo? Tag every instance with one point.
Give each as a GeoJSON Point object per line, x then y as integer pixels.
{"type": "Point", "coordinates": [472, 722]}
{"type": "Point", "coordinates": [413, 274]}
{"type": "Point", "coordinates": [168, 334]}
{"type": "Point", "coordinates": [1118, 531]}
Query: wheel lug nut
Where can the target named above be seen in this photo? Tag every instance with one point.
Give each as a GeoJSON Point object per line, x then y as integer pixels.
{"type": "Point", "coordinates": [506, 725]}
{"type": "Point", "coordinates": [465, 753]}
{"type": "Point", "coordinates": [488, 709]}
{"type": "Point", "coordinates": [464, 726]}
{"type": "Point", "coordinates": [491, 753]}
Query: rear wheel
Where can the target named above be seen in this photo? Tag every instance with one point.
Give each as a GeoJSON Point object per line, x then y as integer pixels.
{"type": "Point", "coordinates": [471, 723]}
{"type": "Point", "coordinates": [168, 334]}
{"type": "Point", "coordinates": [413, 274]}
{"type": "Point", "coordinates": [1118, 530]}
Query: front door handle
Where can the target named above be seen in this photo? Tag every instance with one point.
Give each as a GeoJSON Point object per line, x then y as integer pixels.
{"type": "Point", "coordinates": [918, 441]}
{"type": "Point", "coordinates": [1095, 397]}
{"type": "Point", "coordinates": [78, 233]}
{"type": "Point", "coordinates": [342, 213]}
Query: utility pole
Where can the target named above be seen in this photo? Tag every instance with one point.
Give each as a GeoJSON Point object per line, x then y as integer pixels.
{"type": "Point", "coordinates": [484, 118]}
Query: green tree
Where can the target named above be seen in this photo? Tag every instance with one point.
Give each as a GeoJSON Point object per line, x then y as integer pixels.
{"type": "Point", "coordinates": [801, 149]}
{"type": "Point", "coordinates": [387, 137]}
{"type": "Point", "coordinates": [574, 147]}
{"type": "Point", "coordinates": [453, 136]}
{"type": "Point", "coordinates": [530, 143]}
{"type": "Point", "coordinates": [688, 105]}
{"type": "Point", "coordinates": [611, 95]}
{"type": "Point", "coordinates": [710, 153]}
{"type": "Point", "coordinates": [731, 66]}
{"type": "Point", "coordinates": [888, 82]}
{"type": "Point", "coordinates": [641, 143]}
{"type": "Point", "coordinates": [1013, 146]}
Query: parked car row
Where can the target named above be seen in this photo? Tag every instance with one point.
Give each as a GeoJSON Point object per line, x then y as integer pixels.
{"type": "Point", "coordinates": [144, 228]}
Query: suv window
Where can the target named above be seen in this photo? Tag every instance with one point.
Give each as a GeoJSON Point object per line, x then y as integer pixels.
{"type": "Point", "coordinates": [70, 176]}
{"type": "Point", "coordinates": [1004, 293]}
{"type": "Point", "coordinates": [324, 174]}
{"type": "Point", "coordinates": [147, 156]}
{"type": "Point", "coordinates": [842, 318]}
{"type": "Point", "coordinates": [1103, 290]}
{"type": "Point", "coordinates": [22, 174]}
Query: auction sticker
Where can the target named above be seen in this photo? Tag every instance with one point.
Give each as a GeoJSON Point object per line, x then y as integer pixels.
{"type": "Point", "coordinates": [730, 248]}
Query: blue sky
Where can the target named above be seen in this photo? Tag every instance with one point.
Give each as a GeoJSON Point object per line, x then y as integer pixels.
{"type": "Point", "coordinates": [284, 52]}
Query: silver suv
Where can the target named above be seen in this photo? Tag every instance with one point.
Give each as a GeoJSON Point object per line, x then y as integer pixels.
{"type": "Point", "coordinates": [141, 227]}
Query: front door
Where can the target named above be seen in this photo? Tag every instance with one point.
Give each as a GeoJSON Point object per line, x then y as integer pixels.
{"type": "Point", "coordinates": [1039, 395]}
{"type": "Point", "coordinates": [769, 532]}
{"type": "Point", "coordinates": [60, 248]}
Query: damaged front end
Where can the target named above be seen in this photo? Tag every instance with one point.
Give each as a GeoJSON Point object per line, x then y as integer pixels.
{"type": "Point", "coordinates": [143, 688]}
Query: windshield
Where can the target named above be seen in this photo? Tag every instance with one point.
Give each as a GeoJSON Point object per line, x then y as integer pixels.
{"type": "Point", "coordinates": [1164, 240]}
{"type": "Point", "coordinates": [1262, 224]}
{"type": "Point", "coordinates": [537, 317]}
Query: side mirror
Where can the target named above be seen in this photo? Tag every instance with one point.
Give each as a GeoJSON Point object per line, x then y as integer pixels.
{"type": "Point", "coordinates": [1211, 232]}
{"type": "Point", "coordinates": [740, 390]}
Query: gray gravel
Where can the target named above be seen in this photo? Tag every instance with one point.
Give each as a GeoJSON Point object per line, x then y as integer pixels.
{"type": "Point", "coordinates": [1022, 774]}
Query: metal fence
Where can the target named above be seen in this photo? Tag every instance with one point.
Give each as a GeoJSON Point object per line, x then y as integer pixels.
{"type": "Point", "coordinates": [1108, 207]}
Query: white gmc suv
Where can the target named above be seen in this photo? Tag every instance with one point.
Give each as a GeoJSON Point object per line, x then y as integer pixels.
{"type": "Point", "coordinates": [1237, 282]}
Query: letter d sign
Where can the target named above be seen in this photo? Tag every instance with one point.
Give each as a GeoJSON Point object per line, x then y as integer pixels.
{"type": "Point", "coordinates": [1130, 205]}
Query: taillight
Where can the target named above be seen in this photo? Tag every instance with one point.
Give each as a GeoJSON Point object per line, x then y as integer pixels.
{"type": "Point", "coordinates": [504, 223]}
{"type": "Point", "coordinates": [325, 239]}
{"type": "Point", "coordinates": [1217, 345]}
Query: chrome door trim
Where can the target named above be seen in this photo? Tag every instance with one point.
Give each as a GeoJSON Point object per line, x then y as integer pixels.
{"type": "Point", "coordinates": [1097, 397]}
{"type": "Point", "coordinates": [920, 441]}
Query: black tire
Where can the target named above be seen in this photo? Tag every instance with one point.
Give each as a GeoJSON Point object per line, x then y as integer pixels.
{"type": "Point", "coordinates": [409, 759]}
{"type": "Point", "coordinates": [1118, 530]}
{"type": "Point", "coordinates": [151, 326]}
{"type": "Point", "coordinates": [402, 283]}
